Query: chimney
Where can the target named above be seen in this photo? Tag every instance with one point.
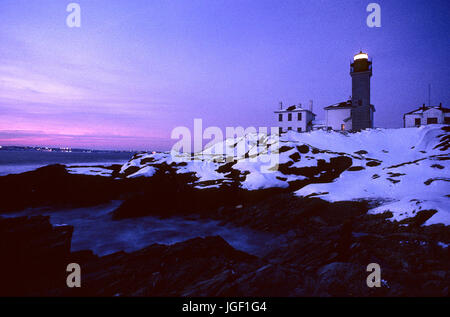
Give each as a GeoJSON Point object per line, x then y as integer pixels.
{"type": "Point", "coordinates": [281, 105]}
{"type": "Point", "coordinates": [311, 105]}
{"type": "Point", "coordinates": [440, 105]}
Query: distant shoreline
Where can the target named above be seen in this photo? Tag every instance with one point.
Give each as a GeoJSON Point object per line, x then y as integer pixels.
{"type": "Point", "coordinates": [20, 161]}
{"type": "Point", "coordinates": [59, 149]}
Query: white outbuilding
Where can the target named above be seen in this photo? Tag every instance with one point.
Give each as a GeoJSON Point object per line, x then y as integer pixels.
{"type": "Point", "coordinates": [426, 115]}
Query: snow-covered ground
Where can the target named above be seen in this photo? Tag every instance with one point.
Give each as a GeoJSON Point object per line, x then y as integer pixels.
{"type": "Point", "coordinates": [403, 170]}
{"type": "Point", "coordinates": [413, 174]}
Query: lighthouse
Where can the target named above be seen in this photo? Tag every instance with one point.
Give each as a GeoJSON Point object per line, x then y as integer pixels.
{"type": "Point", "coordinates": [356, 113]}
{"type": "Point", "coordinates": [362, 112]}
{"type": "Point", "coordinates": [361, 71]}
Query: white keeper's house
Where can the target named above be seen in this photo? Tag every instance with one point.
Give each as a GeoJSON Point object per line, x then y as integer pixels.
{"type": "Point", "coordinates": [294, 118]}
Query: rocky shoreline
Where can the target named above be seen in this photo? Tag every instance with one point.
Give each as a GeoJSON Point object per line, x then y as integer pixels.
{"type": "Point", "coordinates": [324, 248]}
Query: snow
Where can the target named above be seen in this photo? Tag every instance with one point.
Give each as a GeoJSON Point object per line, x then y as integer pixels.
{"type": "Point", "coordinates": [402, 190]}
{"type": "Point", "coordinates": [204, 170]}
{"type": "Point", "coordinates": [88, 170]}
{"type": "Point", "coordinates": [256, 179]}
{"type": "Point", "coordinates": [133, 162]}
{"type": "Point", "coordinates": [147, 171]}
{"type": "Point", "coordinates": [401, 170]}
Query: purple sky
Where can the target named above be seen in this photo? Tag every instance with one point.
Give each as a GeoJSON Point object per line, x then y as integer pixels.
{"type": "Point", "coordinates": [137, 69]}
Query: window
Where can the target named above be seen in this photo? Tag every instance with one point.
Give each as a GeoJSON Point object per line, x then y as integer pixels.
{"type": "Point", "coordinates": [299, 116]}
{"type": "Point", "coordinates": [417, 121]}
{"type": "Point", "coordinates": [290, 128]}
{"type": "Point", "coordinates": [431, 120]}
{"type": "Point", "coordinates": [289, 116]}
{"type": "Point", "coordinates": [280, 117]}
{"type": "Point", "coordinates": [280, 130]}
{"type": "Point", "coordinates": [447, 120]}
{"type": "Point", "coordinates": [299, 129]}
{"type": "Point", "coordinates": [342, 127]}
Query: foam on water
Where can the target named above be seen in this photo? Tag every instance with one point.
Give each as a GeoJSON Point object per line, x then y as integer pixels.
{"type": "Point", "coordinates": [95, 230]}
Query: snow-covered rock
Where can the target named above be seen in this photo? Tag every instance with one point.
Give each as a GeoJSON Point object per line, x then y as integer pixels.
{"type": "Point", "coordinates": [90, 170]}
{"type": "Point", "coordinates": [403, 171]}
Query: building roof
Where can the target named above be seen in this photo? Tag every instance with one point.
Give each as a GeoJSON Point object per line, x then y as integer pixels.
{"type": "Point", "coordinates": [345, 105]}
{"type": "Point", "coordinates": [294, 108]}
{"type": "Point", "coordinates": [341, 105]}
{"type": "Point", "coordinates": [424, 108]}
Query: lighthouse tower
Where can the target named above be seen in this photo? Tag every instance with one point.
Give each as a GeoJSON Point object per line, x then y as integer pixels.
{"type": "Point", "coordinates": [362, 110]}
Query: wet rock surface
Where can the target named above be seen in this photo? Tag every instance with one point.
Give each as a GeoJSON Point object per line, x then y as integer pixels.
{"type": "Point", "coordinates": [323, 250]}
{"type": "Point", "coordinates": [33, 254]}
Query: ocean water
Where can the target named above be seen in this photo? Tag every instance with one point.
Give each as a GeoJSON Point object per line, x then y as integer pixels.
{"type": "Point", "coordinates": [13, 162]}
{"type": "Point", "coordinates": [95, 230]}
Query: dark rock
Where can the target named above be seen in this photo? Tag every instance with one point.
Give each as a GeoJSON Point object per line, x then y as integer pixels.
{"type": "Point", "coordinates": [323, 250]}
{"type": "Point", "coordinates": [341, 279]}
{"type": "Point", "coordinates": [303, 148]}
{"type": "Point", "coordinates": [54, 186]}
{"type": "Point", "coordinates": [34, 255]}
{"type": "Point", "coordinates": [196, 267]}
{"type": "Point", "coordinates": [284, 148]}
{"type": "Point", "coordinates": [355, 168]}
{"type": "Point", "coordinates": [147, 160]}
{"type": "Point", "coordinates": [420, 218]}
{"type": "Point", "coordinates": [372, 163]}
{"type": "Point", "coordinates": [393, 181]}
{"type": "Point", "coordinates": [295, 157]}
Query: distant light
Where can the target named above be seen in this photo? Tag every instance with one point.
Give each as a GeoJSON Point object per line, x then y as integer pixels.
{"type": "Point", "coordinates": [361, 55]}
